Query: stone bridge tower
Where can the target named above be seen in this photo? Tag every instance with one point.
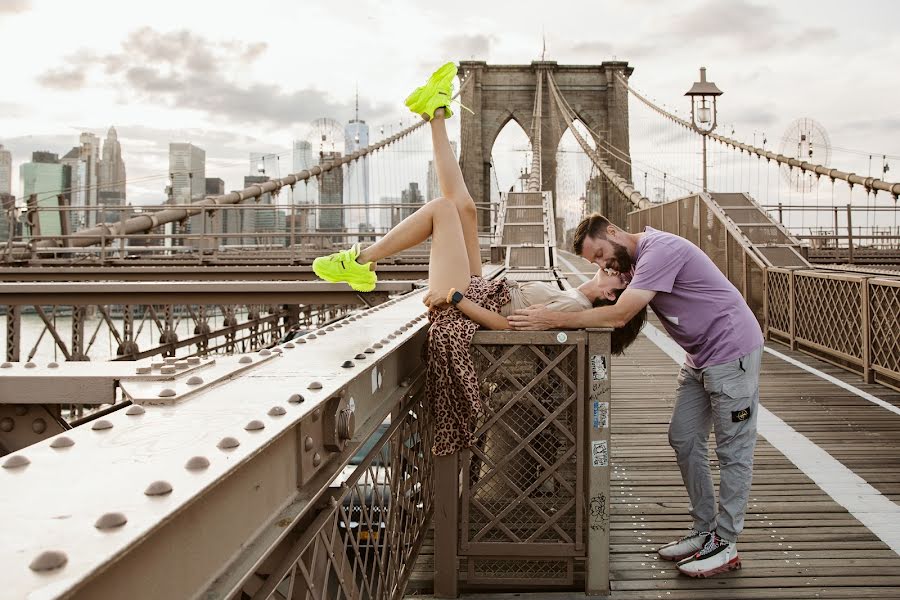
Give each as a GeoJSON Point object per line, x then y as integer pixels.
{"type": "Point", "coordinates": [499, 93]}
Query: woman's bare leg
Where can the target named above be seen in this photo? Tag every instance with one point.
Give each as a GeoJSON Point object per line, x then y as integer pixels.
{"type": "Point", "coordinates": [450, 180]}
{"type": "Point", "coordinates": [439, 219]}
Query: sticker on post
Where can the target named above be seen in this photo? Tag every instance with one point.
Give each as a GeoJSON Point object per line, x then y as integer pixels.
{"type": "Point", "coordinates": [561, 337]}
{"type": "Point", "coordinates": [600, 453]}
{"type": "Point", "coordinates": [598, 367]}
{"type": "Point", "coordinates": [601, 414]}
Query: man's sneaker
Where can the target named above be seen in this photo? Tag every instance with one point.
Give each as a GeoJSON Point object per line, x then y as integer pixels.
{"type": "Point", "coordinates": [435, 93]}
{"type": "Point", "coordinates": [717, 556]}
{"type": "Point", "coordinates": [342, 266]}
{"type": "Point", "coordinates": [684, 547]}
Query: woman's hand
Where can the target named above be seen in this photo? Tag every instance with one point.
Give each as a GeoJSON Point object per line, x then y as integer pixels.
{"type": "Point", "coordinates": [534, 318]}
{"type": "Point", "coordinates": [435, 301]}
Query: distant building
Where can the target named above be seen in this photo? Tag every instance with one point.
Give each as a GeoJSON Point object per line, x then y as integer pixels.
{"type": "Point", "coordinates": [410, 201]}
{"type": "Point", "coordinates": [264, 163]}
{"type": "Point", "coordinates": [8, 221]}
{"type": "Point", "coordinates": [90, 153]}
{"type": "Point", "coordinates": [305, 192]}
{"type": "Point", "coordinates": [48, 180]}
{"type": "Point", "coordinates": [331, 191]}
{"type": "Point", "coordinates": [78, 165]}
{"type": "Point", "coordinates": [187, 169]}
{"type": "Point", "coordinates": [215, 186]}
{"type": "Point", "coordinates": [356, 188]}
{"type": "Point", "coordinates": [112, 168]}
{"type": "Point", "coordinates": [5, 171]}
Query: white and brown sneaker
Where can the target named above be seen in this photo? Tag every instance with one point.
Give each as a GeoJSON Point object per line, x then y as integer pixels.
{"type": "Point", "coordinates": [717, 556]}
{"type": "Point", "coordinates": [684, 547]}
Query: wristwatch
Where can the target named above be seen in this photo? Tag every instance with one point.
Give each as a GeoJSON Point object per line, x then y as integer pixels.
{"type": "Point", "coordinates": [454, 297]}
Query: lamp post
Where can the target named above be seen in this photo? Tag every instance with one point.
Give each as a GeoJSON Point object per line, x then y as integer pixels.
{"type": "Point", "coordinates": [703, 111]}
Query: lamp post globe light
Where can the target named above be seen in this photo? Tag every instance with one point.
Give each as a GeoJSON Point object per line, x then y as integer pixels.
{"type": "Point", "coordinates": [703, 96]}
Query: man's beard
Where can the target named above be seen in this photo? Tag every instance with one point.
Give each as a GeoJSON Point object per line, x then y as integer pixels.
{"type": "Point", "coordinates": [622, 260]}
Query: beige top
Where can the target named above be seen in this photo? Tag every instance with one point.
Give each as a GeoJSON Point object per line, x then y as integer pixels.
{"type": "Point", "coordinates": [523, 294]}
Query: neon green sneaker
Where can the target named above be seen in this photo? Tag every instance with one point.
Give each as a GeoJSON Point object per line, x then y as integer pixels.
{"type": "Point", "coordinates": [342, 266]}
{"type": "Point", "coordinates": [435, 94]}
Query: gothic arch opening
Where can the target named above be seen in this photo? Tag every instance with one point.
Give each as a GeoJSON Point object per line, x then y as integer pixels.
{"type": "Point", "coordinates": [577, 181]}
{"type": "Point", "coordinates": [510, 157]}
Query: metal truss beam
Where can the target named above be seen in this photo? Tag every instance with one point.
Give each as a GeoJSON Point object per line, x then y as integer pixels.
{"type": "Point", "coordinates": [218, 472]}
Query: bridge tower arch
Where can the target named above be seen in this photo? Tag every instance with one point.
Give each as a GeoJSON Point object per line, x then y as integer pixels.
{"type": "Point", "coordinates": [500, 93]}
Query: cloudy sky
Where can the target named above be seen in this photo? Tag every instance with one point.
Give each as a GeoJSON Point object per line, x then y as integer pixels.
{"type": "Point", "coordinates": [236, 77]}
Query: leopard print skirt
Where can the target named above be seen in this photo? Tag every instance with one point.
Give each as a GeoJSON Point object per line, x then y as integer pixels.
{"type": "Point", "coordinates": [451, 385]}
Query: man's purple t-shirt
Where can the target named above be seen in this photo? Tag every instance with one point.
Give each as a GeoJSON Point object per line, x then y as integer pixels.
{"type": "Point", "coordinates": [698, 306]}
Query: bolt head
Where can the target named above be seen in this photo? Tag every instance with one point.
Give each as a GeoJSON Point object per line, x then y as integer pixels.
{"type": "Point", "coordinates": [378, 345]}
{"type": "Point", "coordinates": [228, 442]}
{"type": "Point", "coordinates": [49, 560]}
{"type": "Point", "coordinates": [348, 364]}
{"type": "Point", "coordinates": [53, 365]}
{"type": "Point", "coordinates": [62, 441]}
{"type": "Point", "coordinates": [296, 398]}
{"type": "Point", "coordinates": [245, 360]}
{"type": "Point", "coordinates": [254, 425]}
{"type": "Point", "coordinates": [134, 409]}
{"type": "Point", "coordinates": [315, 385]}
{"type": "Point", "coordinates": [16, 461]}
{"type": "Point", "coordinates": [311, 336]}
{"type": "Point", "coordinates": [7, 424]}
{"type": "Point", "coordinates": [101, 424]}
{"type": "Point", "coordinates": [158, 488]}
{"type": "Point", "coordinates": [166, 393]}
{"type": "Point", "coordinates": [289, 345]}
{"type": "Point", "coordinates": [196, 463]}
{"type": "Point", "coordinates": [194, 380]}
{"type": "Point", "coordinates": [308, 443]}
{"type": "Point", "coordinates": [39, 426]}
{"type": "Point", "coordinates": [317, 460]}
{"type": "Point", "coordinates": [276, 411]}
{"type": "Point", "coordinates": [30, 365]}
{"type": "Point", "coordinates": [110, 520]}
{"type": "Point", "coordinates": [6, 365]}
{"type": "Point", "coordinates": [265, 352]}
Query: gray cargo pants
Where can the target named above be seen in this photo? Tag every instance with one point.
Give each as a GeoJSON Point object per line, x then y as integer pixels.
{"type": "Point", "coordinates": [726, 398]}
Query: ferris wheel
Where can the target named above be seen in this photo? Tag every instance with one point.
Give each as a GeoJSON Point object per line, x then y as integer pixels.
{"type": "Point", "coordinates": [807, 141]}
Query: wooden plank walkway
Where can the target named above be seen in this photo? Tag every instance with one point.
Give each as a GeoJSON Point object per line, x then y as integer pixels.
{"type": "Point", "coordinates": [798, 542]}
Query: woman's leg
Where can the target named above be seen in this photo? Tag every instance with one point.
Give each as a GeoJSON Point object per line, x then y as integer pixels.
{"type": "Point", "coordinates": [453, 186]}
{"type": "Point", "coordinates": [439, 219]}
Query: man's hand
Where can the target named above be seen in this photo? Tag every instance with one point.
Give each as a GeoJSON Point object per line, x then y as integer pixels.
{"type": "Point", "coordinates": [534, 318]}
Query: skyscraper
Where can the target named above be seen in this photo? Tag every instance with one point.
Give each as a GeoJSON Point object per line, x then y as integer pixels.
{"type": "Point", "coordinates": [306, 192]}
{"type": "Point", "coordinates": [356, 188]}
{"type": "Point", "coordinates": [5, 171]}
{"type": "Point", "coordinates": [264, 163]}
{"type": "Point", "coordinates": [187, 168]}
{"type": "Point", "coordinates": [90, 153]}
{"type": "Point", "coordinates": [47, 179]}
{"type": "Point", "coordinates": [112, 171]}
{"type": "Point", "coordinates": [331, 191]}
{"type": "Point", "coordinates": [410, 199]}
{"type": "Point", "coordinates": [78, 166]}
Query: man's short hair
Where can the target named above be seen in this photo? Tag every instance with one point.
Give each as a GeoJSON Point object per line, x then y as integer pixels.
{"type": "Point", "coordinates": [594, 226]}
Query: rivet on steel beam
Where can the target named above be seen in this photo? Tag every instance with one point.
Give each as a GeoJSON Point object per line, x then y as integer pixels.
{"type": "Point", "coordinates": [53, 365]}
{"type": "Point", "coordinates": [398, 331]}
{"type": "Point", "coordinates": [385, 341]}
{"type": "Point", "coordinates": [308, 443]}
{"type": "Point", "coordinates": [338, 326]}
{"type": "Point", "coordinates": [378, 345]}
{"type": "Point", "coordinates": [166, 393]}
{"type": "Point", "coordinates": [330, 328]}
{"type": "Point", "coordinates": [6, 365]}
{"type": "Point", "coordinates": [265, 352]}
{"type": "Point", "coordinates": [316, 414]}
{"type": "Point", "coordinates": [48, 560]}
{"type": "Point", "coordinates": [360, 356]}
{"type": "Point", "coordinates": [21, 410]}
{"type": "Point", "coordinates": [134, 409]}
{"type": "Point", "coordinates": [228, 442]}
{"type": "Point", "coordinates": [369, 350]}
{"type": "Point", "coordinates": [193, 360]}
{"type": "Point", "coordinates": [277, 350]}
{"type": "Point", "coordinates": [62, 441]}
{"type": "Point", "coordinates": [7, 424]}
{"type": "Point", "coordinates": [15, 461]}
{"type": "Point", "coordinates": [392, 336]}
{"type": "Point", "coordinates": [311, 336]}
{"type": "Point", "coordinates": [167, 370]}
{"type": "Point", "coordinates": [101, 424]}
{"type": "Point", "coordinates": [39, 425]}
{"type": "Point", "coordinates": [171, 360]}
{"type": "Point", "coordinates": [194, 380]}
{"type": "Point", "coordinates": [289, 345]}
{"type": "Point", "coordinates": [255, 425]}
{"type": "Point", "coordinates": [348, 364]}
{"type": "Point", "coordinates": [111, 520]}
{"type": "Point", "coordinates": [317, 460]}
{"type": "Point", "coordinates": [30, 365]}
{"type": "Point", "coordinates": [143, 370]}
{"type": "Point", "coordinates": [158, 488]}
{"type": "Point", "coordinates": [195, 463]}
{"type": "Point", "coordinates": [315, 385]}
{"type": "Point", "coordinates": [296, 398]}
{"type": "Point", "coordinates": [276, 411]}
{"type": "Point", "coordinates": [245, 360]}
{"type": "Point", "coordinates": [320, 332]}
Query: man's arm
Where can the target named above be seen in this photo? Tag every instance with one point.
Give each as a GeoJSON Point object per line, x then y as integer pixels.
{"type": "Point", "coordinates": [539, 318]}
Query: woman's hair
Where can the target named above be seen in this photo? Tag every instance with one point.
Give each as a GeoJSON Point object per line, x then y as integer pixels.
{"type": "Point", "coordinates": [624, 336]}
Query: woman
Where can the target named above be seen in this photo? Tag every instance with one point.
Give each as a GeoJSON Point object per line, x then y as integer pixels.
{"type": "Point", "coordinates": [459, 299]}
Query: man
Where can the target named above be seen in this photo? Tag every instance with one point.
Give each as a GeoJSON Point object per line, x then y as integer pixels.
{"type": "Point", "coordinates": [718, 385]}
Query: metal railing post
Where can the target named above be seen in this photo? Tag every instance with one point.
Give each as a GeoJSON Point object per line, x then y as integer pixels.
{"type": "Point", "coordinates": [850, 233]}
{"type": "Point", "coordinates": [446, 526]}
{"type": "Point", "coordinates": [865, 330]}
{"type": "Point", "coordinates": [792, 303]}
{"type": "Point", "coordinates": [596, 463]}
